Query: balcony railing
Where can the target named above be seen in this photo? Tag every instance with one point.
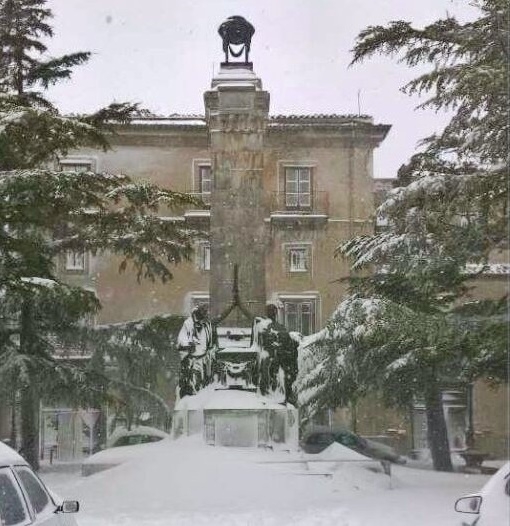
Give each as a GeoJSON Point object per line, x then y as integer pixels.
{"type": "Point", "coordinates": [281, 205]}
{"type": "Point", "coordinates": [314, 204]}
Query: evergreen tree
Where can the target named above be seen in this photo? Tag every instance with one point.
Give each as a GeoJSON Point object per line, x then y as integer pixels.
{"type": "Point", "coordinates": [44, 213]}
{"type": "Point", "coordinates": [449, 211]}
{"type": "Point", "coordinates": [461, 172]}
{"type": "Point", "coordinates": [143, 360]}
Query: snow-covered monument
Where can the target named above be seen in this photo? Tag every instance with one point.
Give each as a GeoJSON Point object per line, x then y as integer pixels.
{"type": "Point", "coordinates": [237, 370]}
{"type": "Point", "coordinates": [236, 387]}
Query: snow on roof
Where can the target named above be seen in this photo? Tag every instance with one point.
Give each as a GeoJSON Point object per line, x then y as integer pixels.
{"type": "Point", "coordinates": [494, 269]}
{"type": "Point", "coordinates": [194, 402]}
{"type": "Point", "coordinates": [174, 119]}
{"type": "Point", "coordinates": [166, 122]}
{"type": "Point", "coordinates": [320, 118]}
{"type": "Point", "coordinates": [335, 119]}
{"type": "Point", "coordinates": [8, 456]}
{"type": "Point", "coordinates": [212, 398]}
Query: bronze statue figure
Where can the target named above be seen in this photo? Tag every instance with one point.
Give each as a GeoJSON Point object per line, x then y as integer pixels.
{"type": "Point", "coordinates": [236, 31]}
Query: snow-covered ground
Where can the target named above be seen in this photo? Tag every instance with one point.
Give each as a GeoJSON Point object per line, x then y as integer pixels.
{"type": "Point", "coordinates": [186, 483]}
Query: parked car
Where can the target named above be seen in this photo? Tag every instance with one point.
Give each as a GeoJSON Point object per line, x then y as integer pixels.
{"type": "Point", "coordinates": [490, 507]}
{"type": "Point", "coordinates": [122, 446]}
{"type": "Point", "coordinates": [136, 435]}
{"type": "Point", "coordinates": [317, 441]}
{"type": "Point", "coordinates": [25, 500]}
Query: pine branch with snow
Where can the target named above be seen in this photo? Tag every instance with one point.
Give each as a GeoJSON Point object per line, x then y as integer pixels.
{"type": "Point", "coordinates": [44, 213]}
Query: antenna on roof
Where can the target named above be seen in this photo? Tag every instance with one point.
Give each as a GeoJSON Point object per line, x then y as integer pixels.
{"type": "Point", "coordinates": [359, 103]}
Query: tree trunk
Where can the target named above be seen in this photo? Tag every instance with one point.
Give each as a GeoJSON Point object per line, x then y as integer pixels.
{"type": "Point", "coordinates": [437, 434]}
{"type": "Point", "coordinates": [14, 434]}
{"type": "Point", "coordinates": [29, 399]}
{"type": "Point", "coordinates": [30, 426]}
{"type": "Point", "coordinates": [354, 416]}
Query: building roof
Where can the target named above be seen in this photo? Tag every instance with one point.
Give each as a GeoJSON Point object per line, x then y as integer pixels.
{"type": "Point", "coordinates": [170, 120]}
{"type": "Point", "coordinates": [320, 118]}
{"type": "Point", "coordinates": [176, 119]}
{"type": "Point", "coordinates": [333, 125]}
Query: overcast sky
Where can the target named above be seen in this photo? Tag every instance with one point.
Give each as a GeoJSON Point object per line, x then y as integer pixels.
{"type": "Point", "coordinates": [162, 53]}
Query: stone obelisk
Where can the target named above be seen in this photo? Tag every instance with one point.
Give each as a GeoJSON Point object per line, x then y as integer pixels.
{"type": "Point", "coordinates": [236, 110]}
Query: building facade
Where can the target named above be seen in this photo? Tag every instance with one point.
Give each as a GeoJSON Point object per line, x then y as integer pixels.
{"type": "Point", "coordinates": [317, 190]}
{"type": "Point", "coordinates": [286, 190]}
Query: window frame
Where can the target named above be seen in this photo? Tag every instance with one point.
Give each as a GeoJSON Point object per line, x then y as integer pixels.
{"type": "Point", "coordinates": [203, 256]}
{"type": "Point", "coordinates": [306, 258]}
{"type": "Point", "coordinates": [299, 300]}
{"type": "Point", "coordinates": [73, 268]}
{"type": "Point", "coordinates": [69, 164]}
{"type": "Point", "coordinates": [197, 166]}
{"type": "Point", "coordinates": [205, 194]}
{"type": "Point", "coordinates": [303, 198]}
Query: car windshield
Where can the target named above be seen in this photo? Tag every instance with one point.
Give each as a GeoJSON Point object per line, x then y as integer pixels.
{"type": "Point", "coordinates": [12, 507]}
{"type": "Point", "coordinates": [254, 261]}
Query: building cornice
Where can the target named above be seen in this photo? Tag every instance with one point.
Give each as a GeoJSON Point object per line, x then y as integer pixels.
{"type": "Point", "coordinates": [319, 130]}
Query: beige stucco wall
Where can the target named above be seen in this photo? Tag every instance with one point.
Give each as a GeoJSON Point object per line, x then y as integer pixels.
{"type": "Point", "coordinates": [491, 403]}
{"type": "Point", "coordinates": [342, 177]}
{"type": "Point", "coordinates": [170, 165]}
{"type": "Point", "coordinates": [491, 418]}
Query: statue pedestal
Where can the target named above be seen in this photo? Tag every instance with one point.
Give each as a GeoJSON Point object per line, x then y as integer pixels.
{"type": "Point", "coordinates": [236, 418]}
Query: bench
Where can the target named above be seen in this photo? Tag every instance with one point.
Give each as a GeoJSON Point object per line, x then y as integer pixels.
{"type": "Point", "coordinates": [474, 458]}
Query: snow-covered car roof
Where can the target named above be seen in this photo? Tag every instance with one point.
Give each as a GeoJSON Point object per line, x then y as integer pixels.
{"type": "Point", "coordinates": [8, 456]}
{"type": "Point", "coordinates": [137, 430]}
{"type": "Point", "coordinates": [118, 455]}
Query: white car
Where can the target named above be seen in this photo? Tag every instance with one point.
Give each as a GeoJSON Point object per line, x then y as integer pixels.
{"type": "Point", "coordinates": [492, 505]}
{"type": "Point", "coordinates": [25, 500]}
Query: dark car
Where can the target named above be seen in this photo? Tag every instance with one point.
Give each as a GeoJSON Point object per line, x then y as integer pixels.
{"type": "Point", "coordinates": [317, 441]}
{"type": "Point", "coordinates": [135, 436]}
